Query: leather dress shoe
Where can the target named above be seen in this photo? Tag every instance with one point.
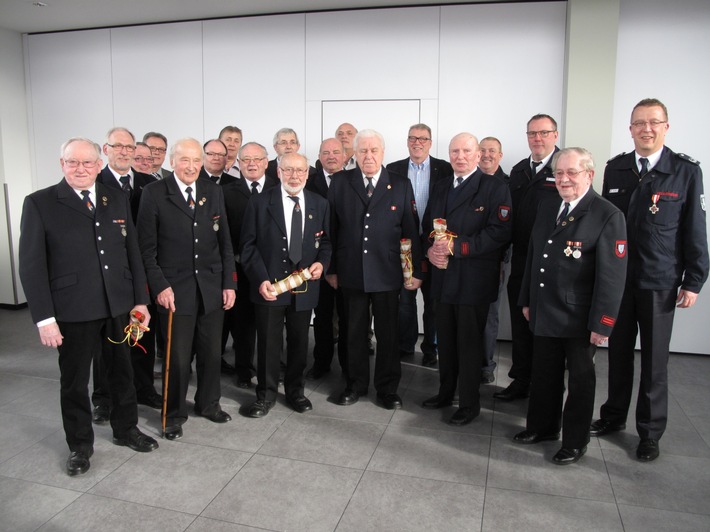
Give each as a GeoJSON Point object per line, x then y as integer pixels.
{"type": "Point", "coordinates": [429, 359]}
{"type": "Point", "coordinates": [136, 440]}
{"type": "Point", "coordinates": [567, 455]}
{"type": "Point", "coordinates": [243, 383]}
{"type": "Point", "coordinates": [78, 463]}
{"type": "Point", "coordinates": [647, 450]}
{"type": "Point", "coordinates": [259, 408]}
{"type": "Point", "coordinates": [315, 374]}
{"type": "Point", "coordinates": [173, 433]}
{"type": "Point", "coordinates": [514, 391]}
{"type": "Point", "coordinates": [101, 415]}
{"type": "Point", "coordinates": [487, 377]}
{"type": "Point", "coordinates": [391, 401]}
{"type": "Point", "coordinates": [348, 397]}
{"type": "Point", "coordinates": [529, 437]}
{"type": "Point", "coordinates": [436, 402]}
{"type": "Point", "coordinates": [300, 404]}
{"type": "Point", "coordinates": [227, 368]}
{"type": "Point", "coordinates": [219, 416]}
{"type": "Point", "coordinates": [463, 416]}
{"type": "Point", "coordinates": [602, 426]}
{"type": "Point", "coordinates": [153, 400]}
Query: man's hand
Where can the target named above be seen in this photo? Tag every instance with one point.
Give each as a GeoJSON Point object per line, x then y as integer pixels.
{"type": "Point", "coordinates": [414, 284]}
{"type": "Point", "coordinates": [229, 296]}
{"type": "Point", "coordinates": [316, 270]}
{"type": "Point", "coordinates": [332, 280]}
{"type": "Point", "coordinates": [266, 289]}
{"type": "Point", "coordinates": [686, 299]}
{"type": "Point", "coordinates": [597, 339]}
{"type": "Point", "coordinates": [50, 335]}
{"type": "Point", "coordinates": [166, 299]}
{"type": "Point", "coordinates": [526, 313]}
{"type": "Point", "coordinates": [143, 310]}
{"type": "Point", "coordinates": [437, 257]}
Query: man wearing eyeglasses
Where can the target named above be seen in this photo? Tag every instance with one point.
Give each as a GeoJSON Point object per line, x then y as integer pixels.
{"type": "Point", "coordinates": [570, 294]}
{"type": "Point", "coordinates": [143, 158]}
{"type": "Point", "coordinates": [120, 149]}
{"type": "Point", "coordinates": [285, 141]}
{"type": "Point", "coordinates": [285, 230]}
{"type": "Point", "coordinates": [82, 274]}
{"type": "Point", "coordinates": [215, 162]}
{"type": "Point", "coordinates": [661, 194]}
{"type": "Point", "coordinates": [158, 144]}
{"type": "Point", "coordinates": [531, 181]}
{"type": "Point", "coordinates": [253, 159]}
{"type": "Point", "coordinates": [423, 171]}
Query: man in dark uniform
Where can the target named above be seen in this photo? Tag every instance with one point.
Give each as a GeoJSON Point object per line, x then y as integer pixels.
{"type": "Point", "coordinates": [661, 194]}
{"type": "Point", "coordinates": [531, 181]}
{"type": "Point", "coordinates": [423, 171]}
{"type": "Point", "coordinates": [571, 295]}
{"type": "Point", "coordinates": [187, 252]}
{"type": "Point", "coordinates": [82, 274]}
{"type": "Point", "coordinates": [464, 282]}
{"type": "Point", "coordinates": [285, 230]}
{"type": "Point", "coordinates": [215, 162]}
{"type": "Point", "coordinates": [371, 211]}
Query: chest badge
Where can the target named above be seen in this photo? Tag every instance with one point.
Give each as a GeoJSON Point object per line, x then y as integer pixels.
{"type": "Point", "coordinates": [654, 208]}
{"type": "Point", "coordinates": [574, 249]}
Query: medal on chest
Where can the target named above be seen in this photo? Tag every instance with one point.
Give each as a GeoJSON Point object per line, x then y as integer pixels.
{"type": "Point", "coordinates": [654, 208]}
{"type": "Point", "coordinates": [574, 249]}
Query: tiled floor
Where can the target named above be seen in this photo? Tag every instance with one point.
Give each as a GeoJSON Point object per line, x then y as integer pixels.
{"type": "Point", "coordinates": [344, 468]}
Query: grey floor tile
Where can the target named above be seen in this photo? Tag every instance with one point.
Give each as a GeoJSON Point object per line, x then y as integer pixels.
{"type": "Point", "coordinates": [280, 494]}
{"type": "Point", "coordinates": [438, 455]}
{"type": "Point", "coordinates": [91, 513]}
{"type": "Point", "coordinates": [692, 398]}
{"type": "Point", "coordinates": [366, 409]}
{"type": "Point", "coordinates": [177, 476]}
{"type": "Point", "coordinates": [702, 425]}
{"type": "Point", "coordinates": [26, 505]}
{"type": "Point", "coordinates": [325, 441]}
{"type": "Point", "coordinates": [26, 431]}
{"type": "Point", "coordinates": [529, 468]}
{"type": "Point", "coordinates": [202, 524]}
{"type": "Point", "coordinates": [507, 510]}
{"type": "Point", "coordinates": [687, 369]}
{"type": "Point", "coordinates": [14, 387]}
{"type": "Point", "coordinates": [639, 519]}
{"type": "Point", "coordinates": [41, 402]}
{"type": "Point", "coordinates": [670, 482]}
{"type": "Point", "coordinates": [397, 503]}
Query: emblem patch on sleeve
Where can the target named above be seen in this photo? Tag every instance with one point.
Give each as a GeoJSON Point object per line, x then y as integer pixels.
{"type": "Point", "coordinates": [620, 248]}
{"type": "Point", "coordinates": [503, 213]}
{"type": "Point", "coordinates": [414, 206]}
{"type": "Point", "coordinates": [702, 201]}
{"type": "Point", "coordinates": [234, 276]}
{"type": "Point", "coordinates": [465, 249]}
{"type": "Point", "coordinates": [607, 320]}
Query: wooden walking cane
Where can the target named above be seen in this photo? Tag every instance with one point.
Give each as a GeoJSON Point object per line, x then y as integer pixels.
{"type": "Point", "coordinates": [166, 373]}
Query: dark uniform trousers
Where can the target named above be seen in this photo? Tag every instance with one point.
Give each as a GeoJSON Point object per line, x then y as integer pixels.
{"type": "Point", "coordinates": [651, 312]}
{"type": "Point", "coordinates": [242, 325]}
{"type": "Point", "coordinates": [522, 337]}
{"type": "Point", "coordinates": [324, 348]}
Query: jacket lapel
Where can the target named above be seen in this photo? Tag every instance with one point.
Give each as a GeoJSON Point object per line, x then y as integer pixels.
{"type": "Point", "coordinates": [67, 196]}
{"type": "Point", "coordinates": [175, 196]}
{"type": "Point", "coordinates": [276, 209]}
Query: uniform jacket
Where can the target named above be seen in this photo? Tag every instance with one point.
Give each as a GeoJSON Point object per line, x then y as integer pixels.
{"type": "Point", "coordinates": [316, 183]}
{"type": "Point", "coordinates": [139, 181]}
{"type": "Point", "coordinates": [226, 178]}
{"type": "Point", "coordinates": [264, 241]}
{"type": "Point", "coordinates": [186, 249]}
{"type": "Point", "coordinates": [481, 218]}
{"type": "Point", "coordinates": [366, 233]}
{"type": "Point", "coordinates": [77, 267]}
{"type": "Point", "coordinates": [575, 273]}
{"type": "Point", "coordinates": [669, 248]}
{"type": "Point", "coordinates": [527, 192]}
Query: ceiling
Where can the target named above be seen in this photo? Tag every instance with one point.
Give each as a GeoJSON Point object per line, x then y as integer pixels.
{"type": "Point", "coordinates": [24, 16]}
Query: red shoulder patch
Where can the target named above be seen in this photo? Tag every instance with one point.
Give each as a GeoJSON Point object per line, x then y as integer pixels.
{"type": "Point", "coordinates": [607, 320]}
{"type": "Point", "coordinates": [503, 213]}
{"type": "Point", "coordinates": [620, 248]}
{"type": "Point", "coordinates": [465, 250]}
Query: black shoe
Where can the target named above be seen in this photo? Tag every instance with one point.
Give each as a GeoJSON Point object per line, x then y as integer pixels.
{"type": "Point", "coordinates": [243, 383]}
{"type": "Point", "coordinates": [153, 400]}
{"type": "Point", "coordinates": [436, 402]}
{"type": "Point", "coordinates": [647, 450]}
{"type": "Point", "coordinates": [219, 416]}
{"type": "Point", "coordinates": [602, 426]}
{"type": "Point", "coordinates": [300, 404]}
{"type": "Point", "coordinates": [226, 368]}
{"type": "Point", "coordinates": [487, 377]}
{"type": "Point", "coordinates": [405, 354]}
{"type": "Point", "coordinates": [567, 456]}
{"type": "Point", "coordinates": [259, 408]}
{"type": "Point", "coordinates": [315, 374]}
{"type": "Point", "coordinates": [173, 433]}
{"type": "Point", "coordinates": [78, 463]}
{"type": "Point", "coordinates": [101, 415]}
{"type": "Point", "coordinates": [348, 397]}
{"type": "Point", "coordinates": [528, 437]}
{"type": "Point", "coordinates": [137, 441]}
{"type": "Point", "coordinates": [391, 401]}
{"type": "Point", "coordinates": [429, 359]}
{"type": "Point", "coordinates": [463, 416]}
{"type": "Point", "coordinates": [514, 391]}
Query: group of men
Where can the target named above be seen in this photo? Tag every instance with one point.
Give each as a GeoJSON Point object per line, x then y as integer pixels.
{"type": "Point", "coordinates": [230, 242]}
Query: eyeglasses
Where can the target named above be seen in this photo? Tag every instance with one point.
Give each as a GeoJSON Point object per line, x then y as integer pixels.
{"type": "Point", "coordinates": [213, 154]}
{"type": "Point", "coordinates": [249, 160]}
{"type": "Point", "coordinates": [120, 147]}
{"type": "Point", "coordinates": [73, 164]}
{"type": "Point", "coordinates": [154, 149]}
{"type": "Point", "coordinates": [543, 134]}
{"type": "Point", "coordinates": [653, 124]}
{"type": "Point", "coordinates": [141, 159]}
{"type": "Point", "coordinates": [413, 139]}
{"type": "Point", "coordinates": [287, 143]}
{"type": "Point", "coordinates": [559, 174]}
{"type": "Point", "coordinates": [291, 171]}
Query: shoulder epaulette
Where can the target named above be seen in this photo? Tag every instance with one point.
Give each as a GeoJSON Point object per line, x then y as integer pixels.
{"type": "Point", "coordinates": [688, 158]}
{"type": "Point", "coordinates": [616, 156]}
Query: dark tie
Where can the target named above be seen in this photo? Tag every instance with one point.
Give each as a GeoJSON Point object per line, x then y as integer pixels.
{"type": "Point", "coordinates": [157, 175]}
{"type": "Point", "coordinates": [215, 179]}
{"type": "Point", "coordinates": [459, 180]}
{"type": "Point", "coordinates": [295, 250]}
{"type": "Point", "coordinates": [533, 166]}
{"type": "Point", "coordinates": [126, 184]}
{"type": "Point", "coordinates": [87, 201]}
{"type": "Point", "coordinates": [644, 166]}
{"type": "Point", "coordinates": [254, 187]}
{"type": "Point", "coordinates": [563, 214]}
{"type": "Point", "coordinates": [190, 199]}
{"type": "Point", "coordinates": [370, 189]}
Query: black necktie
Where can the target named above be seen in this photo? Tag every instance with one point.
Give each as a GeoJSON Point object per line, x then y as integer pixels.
{"type": "Point", "coordinates": [190, 199]}
{"type": "Point", "coordinates": [534, 165]}
{"type": "Point", "coordinates": [459, 180]}
{"type": "Point", "coordinates": [370, 189]}
{"type": "Point", "coordinates": [126, 184]}
{"type": "Point", "coordinates": [295, 250]}
{"type": "Point", "coordinates": [157, 175]}
{"type": "Point", "coordinates": [254, 187]}
{"type": "Point", "coordinates": [214, 178]}
{"type": "Point", "coordinates": [644, 166]}
{"type": "Point", "coordinates": [87, 201]}
{"type": "Point", "coordinates": [563, 214]}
